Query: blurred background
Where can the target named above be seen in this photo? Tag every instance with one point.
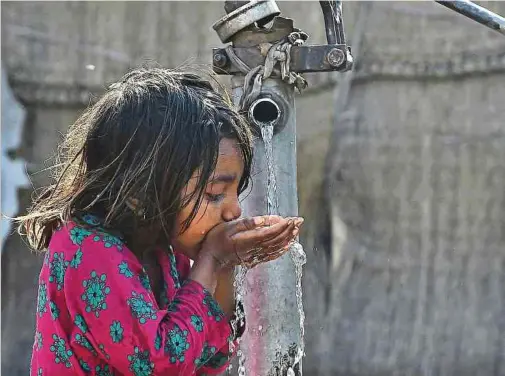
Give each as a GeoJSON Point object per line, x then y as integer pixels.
{"type": "Point", "coordinates": [401, 170]}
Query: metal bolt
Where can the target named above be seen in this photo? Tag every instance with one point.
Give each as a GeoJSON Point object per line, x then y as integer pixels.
{"type": "Point", "coordinates": [335, 57]}
{"type": "Point", "coordinates": [220, 60]}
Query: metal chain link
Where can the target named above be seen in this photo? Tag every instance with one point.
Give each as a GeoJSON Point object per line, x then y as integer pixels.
{"type": "Point", "coordinates": [279, 52]}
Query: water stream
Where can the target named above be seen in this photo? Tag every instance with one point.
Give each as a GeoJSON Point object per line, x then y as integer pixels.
{"type": "Point", "coordinates": [296, 251]}
{"type": "Point", "coordinates": [297, 256]}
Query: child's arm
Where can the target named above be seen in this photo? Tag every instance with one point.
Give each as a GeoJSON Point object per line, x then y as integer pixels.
{"type": "Point", "coordinates": [220, 361]}
{"type": "Point", "coordinates": [225, 291]}
{"type": "Point", "coordinates": [120, 321]}
{"type": "Point", "coordinates": [225, 296]}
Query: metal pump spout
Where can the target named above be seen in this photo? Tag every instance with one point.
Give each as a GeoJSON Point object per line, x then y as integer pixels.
{"type": "Point", "coordinates": [264, 111]}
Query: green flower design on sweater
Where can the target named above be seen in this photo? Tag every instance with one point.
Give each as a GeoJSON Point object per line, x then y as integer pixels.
{"type": "Point", "coordinates": [116, 332]}
{"type": "Point", "coordinates": [42, 299]}
{"type": "Point", "coordinates": [109, 241]}
{"type": "Point", "coordinates": [57, 269]}
{"type": "Point", "coordinates": [124, 269]}
{"type": "Point", "coordinates": [55, 311]}
{"type": "Point", "coordinates": [83, 341]}
{"type": "Point", "coordinates": [78, 234]}
{"type": "Point", "coordinates": [140, 364]}
{"type": "Point", "coordinates": [177, 344]}
{"type": "Point", "coordinates": [157, 341]}
{"type": "Point", "coordinates": [140, 308]}
{"type": "Point", "coordinates": [77, 259]}
{"type": "Point", "coordinates": [80, 323]}
{"type": "Point", "coordinates": [206, 354]}
{"type": "Point", "coordinates": [62, 354]}
{"type": "Point", "coordinates": [95, 293]}
{"type": "Point", "coordinates": [197, 323]}
{"type": "Point", "coordinates": [103, 370]}
{"type": "Point", "coordinates": [213, 308]}
{"type": "Point", "coordinates": [85, 366]}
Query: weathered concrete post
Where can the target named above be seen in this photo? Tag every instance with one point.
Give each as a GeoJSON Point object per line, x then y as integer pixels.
{"type": "Point", "coordinates": [265, 63]}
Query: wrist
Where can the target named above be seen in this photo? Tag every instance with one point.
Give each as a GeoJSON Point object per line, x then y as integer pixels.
{"type": "Point", "coordinates": [205, 271]}
{"type": "Point", "coordinates": [211, 261]}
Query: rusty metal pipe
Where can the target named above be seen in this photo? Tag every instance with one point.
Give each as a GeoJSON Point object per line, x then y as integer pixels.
{"type": "Point", "coordinates": [476, 13]}
{"type": "Point", "coordinates": [332, 15]}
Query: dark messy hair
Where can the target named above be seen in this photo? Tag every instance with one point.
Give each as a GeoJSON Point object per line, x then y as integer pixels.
{"type": "Point", "coordinates": [143, 139]}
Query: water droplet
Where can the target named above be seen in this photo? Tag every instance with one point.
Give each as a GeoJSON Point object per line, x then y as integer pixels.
{"type": "Point", "coordinates": [290, 372]}
{"type": "Point", "coordinates": [260, 328]}
{"type": "Point", "coordinates": [90, 67]}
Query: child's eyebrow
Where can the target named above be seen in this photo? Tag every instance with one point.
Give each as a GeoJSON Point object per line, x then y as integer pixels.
{"type": "Point", "coordinates": [223, 179]}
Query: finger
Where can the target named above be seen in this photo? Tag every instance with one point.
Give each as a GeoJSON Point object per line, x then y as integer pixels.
{"type": "Point", "coordinates": [299, 221]}
{"type": "Point", "coordinates": [245, 224]}
{"type": "Point", "coordinates": [278, 252]}
{"type": "Point", "coordinates": [266, 247]}
{"type": "Point", "coordinates": [289, 232]}
{"type": "Point", "coordinates": [252, 238]}
{"type": "Point", "coordinates": [250, 223]}
{"type": "Point", "coordinates": [261, 253]}
{"type": "Point", "coordinates": [273, 219]}
{"type": "Point", "coordinates": [272, 251]}
{"type": "Point", "coordinates": [274, 246]}
{"type": "Point", "coordinates": [271, 238]}
{"type": "Point", "coordinates": [264, 258]}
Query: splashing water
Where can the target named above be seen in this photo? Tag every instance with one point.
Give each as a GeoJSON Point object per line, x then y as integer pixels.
{"type": "Point", "coordinates": [239, 284]}
{"type": "Point", "coordinates": [299, 259]}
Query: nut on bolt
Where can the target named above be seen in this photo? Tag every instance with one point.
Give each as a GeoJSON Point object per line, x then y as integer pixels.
{"type": "Point", "coordinates": [220, 60]}
{"type": "Point", "coordinates": [335, 57]}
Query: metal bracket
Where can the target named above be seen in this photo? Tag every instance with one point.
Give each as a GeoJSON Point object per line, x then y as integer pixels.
{"type": "Point", "coordinates": [315, 58]}
{"type": "Point", "coordinates": [244, 27]}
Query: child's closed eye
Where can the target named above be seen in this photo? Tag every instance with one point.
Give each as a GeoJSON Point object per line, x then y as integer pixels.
{"type": "Point", "coordinates": [214, 198]}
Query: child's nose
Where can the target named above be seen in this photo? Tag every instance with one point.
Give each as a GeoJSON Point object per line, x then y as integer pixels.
{"type": "Point", "coordinates": [232, 212]}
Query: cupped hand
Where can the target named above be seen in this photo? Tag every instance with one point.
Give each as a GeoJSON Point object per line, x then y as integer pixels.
{"type": "Point", "coordinates": [251, 241]}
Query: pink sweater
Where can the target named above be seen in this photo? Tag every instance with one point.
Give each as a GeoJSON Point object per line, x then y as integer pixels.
{"type": "Point", "coordinates": [97, 315]}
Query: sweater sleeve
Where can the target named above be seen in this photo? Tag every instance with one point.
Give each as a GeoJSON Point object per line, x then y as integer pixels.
{"type": "Point", "coordinates": [118, 318]}
{"type": "Point", "coordinates": [220, 360]}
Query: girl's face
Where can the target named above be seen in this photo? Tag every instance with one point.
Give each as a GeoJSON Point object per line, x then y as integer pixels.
{"type": "Point", "coordinates": [219, 204]}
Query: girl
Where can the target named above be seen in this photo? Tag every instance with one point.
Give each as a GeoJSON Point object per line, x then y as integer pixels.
{"type": "Point", "coordinates": [150, 179]}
